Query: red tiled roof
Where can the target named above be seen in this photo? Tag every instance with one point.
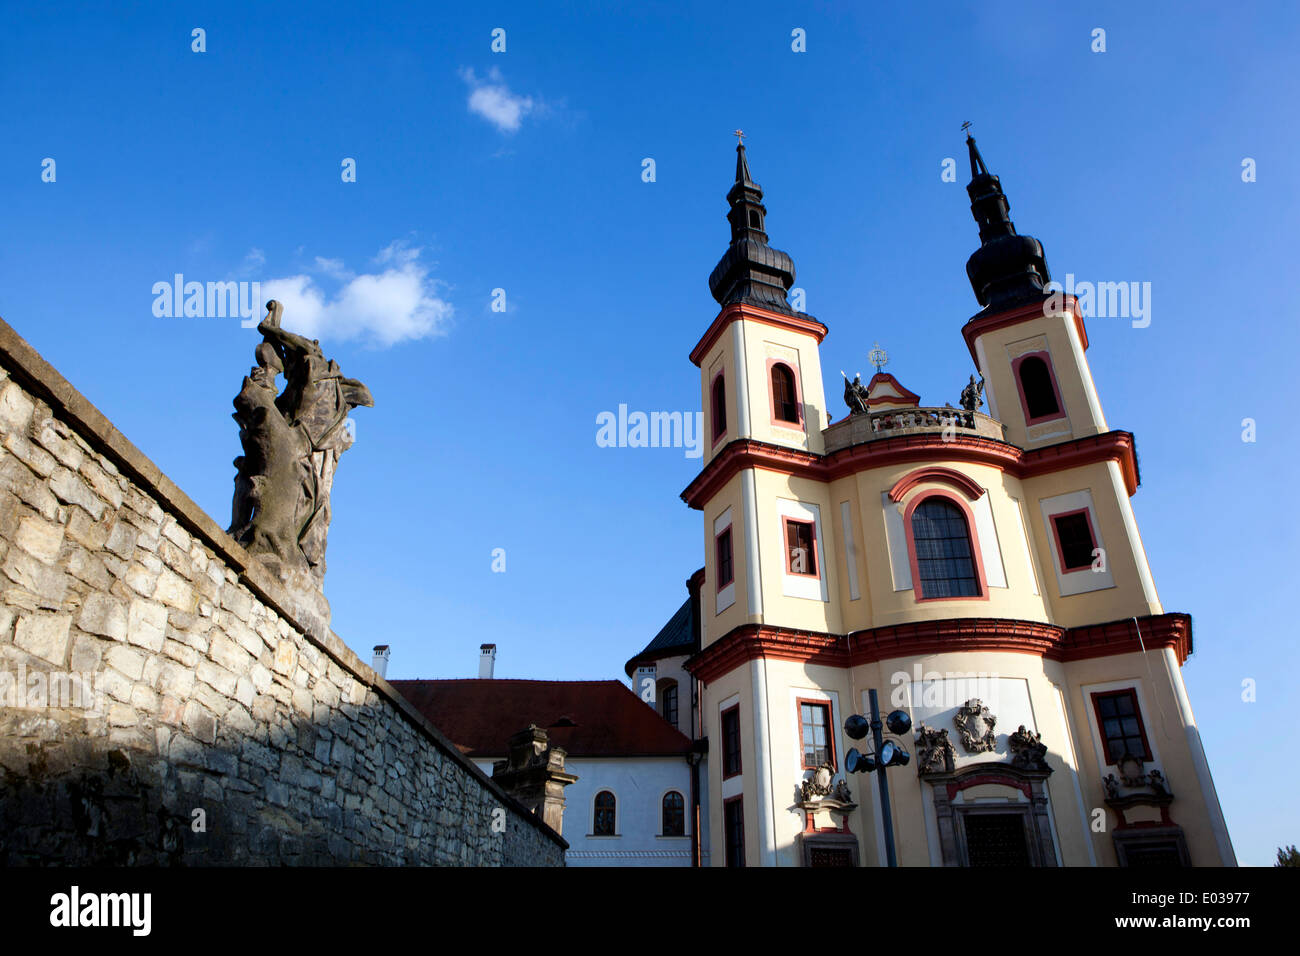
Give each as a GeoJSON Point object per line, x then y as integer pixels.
{"type": "Point", "coordinates": [480, 715]}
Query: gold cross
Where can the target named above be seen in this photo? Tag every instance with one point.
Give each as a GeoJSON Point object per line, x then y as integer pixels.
{"type": "Point", "coordinates": [740, 136]}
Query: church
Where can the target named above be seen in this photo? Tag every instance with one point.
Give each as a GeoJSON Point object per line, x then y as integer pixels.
{"type": "Point", "coordinates": [980, 571]}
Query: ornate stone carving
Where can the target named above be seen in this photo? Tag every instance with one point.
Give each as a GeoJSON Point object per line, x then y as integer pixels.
{"type": "Point", "coordinates": [934, 751]}
{"type": "Point", "coordinates": [976, 723]}
{"type": "Point", "coordinates": [1028, 752]}
{"type": "Point", "coordinates": [292, 442]}
{"type": "Point", "coordinates": [820, 785]}
{"type": "Point", "coordinates": [972, 396]}
{"type": "Point", "coordinates": [855, 395]}
{"type": "Point", "coordinates": [1133, 777]}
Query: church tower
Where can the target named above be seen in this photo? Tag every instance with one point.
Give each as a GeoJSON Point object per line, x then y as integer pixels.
{"type": "Point", "coordinates": [982, 572]}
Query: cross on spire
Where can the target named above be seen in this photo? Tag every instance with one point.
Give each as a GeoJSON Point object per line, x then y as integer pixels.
{"type": "Point", "coordinates": [740, 136]}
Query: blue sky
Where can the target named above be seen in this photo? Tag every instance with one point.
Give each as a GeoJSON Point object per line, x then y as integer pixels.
{"type": "Point", "coordinates": [522, 171]}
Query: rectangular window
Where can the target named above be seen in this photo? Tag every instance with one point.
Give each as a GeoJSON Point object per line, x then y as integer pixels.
{"type": "Point", "coordinates": [814, 734]}
{"type": "Point", "coordinates": [719, 407]}
{"type": "Point", "coordinates": [731, 742]}
{"type": "Point", "coordinates": [1120, 722]}
{"type": "Point", "coordinates": [733, 825]}
{"type": "Point", "coordinates": [670, 704]}
{"type": "Point", "coordinates": [726, 573]}
{"type": "Point", "coordinates": [1074, 539]}
{"type": "Point", "coordinates": [800, 547]}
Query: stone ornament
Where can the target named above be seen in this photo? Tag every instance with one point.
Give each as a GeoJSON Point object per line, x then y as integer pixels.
{"type": "Point", "coordinates": [972, 396]}
{"type": "Point", "coordinates": [1028, 752]}
{"type": "Point", "coordinates": [975, 723]}
{"type": "Point", "coordinates": [292, 442]}
{"type": "Point", "coordinates": [1133, 777]}
{"type": "Point", "coordinates": [820, 785]}
{"type": "Point", "coordinates": [934, 751]}
{"type": "Point", "coordinates": [855, 395]}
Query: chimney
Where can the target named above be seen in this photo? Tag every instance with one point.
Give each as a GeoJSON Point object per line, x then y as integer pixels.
{"type": "Point", "coordinates": [380, 663]}
{"type": "Point", "coordinates": [534, 774]}
{"type": "Point", "coordinates": [645, 682]}
{"type": "Point", "coordinates": [487, 659]}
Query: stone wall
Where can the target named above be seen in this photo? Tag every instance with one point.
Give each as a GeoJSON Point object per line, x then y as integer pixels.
{"type": "Point", "coordinates": [163, 702]}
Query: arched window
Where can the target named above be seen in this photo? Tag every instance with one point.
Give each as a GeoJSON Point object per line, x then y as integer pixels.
{"type": "Point", "coordinates": [674, 814]}
{"type": "Point", "coordinates": [603, 817]}
{"type": "Point", "coordinates": [719, 406]}
{"type": "Point", "coordinates": [945, 560]}
{"type": "Point", "coordinates": [754, 221]}
{"type": "Point", "coordinates": [785, 402]}
{"type": "Point", "coordinates": [1037, 387]}
{"type": "Point", "coordinates": [668, 698]}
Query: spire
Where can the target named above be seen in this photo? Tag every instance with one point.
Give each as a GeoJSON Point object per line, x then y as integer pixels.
{"type": "Point", "coordinates": [750, 270]}
{"type": "Point", "coordinates": [1007, 269]}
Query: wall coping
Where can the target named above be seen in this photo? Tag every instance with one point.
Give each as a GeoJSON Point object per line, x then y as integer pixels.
{"type": "Point", "coordinates": [40, 378]}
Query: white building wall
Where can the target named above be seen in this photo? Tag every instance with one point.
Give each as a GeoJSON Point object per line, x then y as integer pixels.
{"type": "Point", "coordinates": [639, 785]}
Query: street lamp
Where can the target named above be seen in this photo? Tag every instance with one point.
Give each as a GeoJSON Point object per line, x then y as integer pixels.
{"type": "Point", "coordinates": [887, 753]}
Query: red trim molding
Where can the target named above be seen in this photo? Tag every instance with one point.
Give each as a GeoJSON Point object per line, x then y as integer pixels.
{"type": "Point", "coordinates": [1002, 779]}
{"type": "Point", "coordinates": [951, 636]}
{"type": "Point", "coordinates": [739, 310]}
{"type": "Point", "coordinates": [744, 453]}
{"type": "Point", "coordinates": [905, 396]}
{"type": "Point", "coordinates": [982, 324]}
{"type": "Point", "coordinates": [935, 473]}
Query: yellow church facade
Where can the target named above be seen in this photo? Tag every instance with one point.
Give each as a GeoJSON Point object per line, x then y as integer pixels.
{"type": "Point", "coordinates": [979, 568]}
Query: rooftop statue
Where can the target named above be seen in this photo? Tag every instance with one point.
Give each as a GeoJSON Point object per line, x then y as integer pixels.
{"type": "Point", "coordinates": [292, 442]}
{"type": "Point", "coordinates": [972, 396]}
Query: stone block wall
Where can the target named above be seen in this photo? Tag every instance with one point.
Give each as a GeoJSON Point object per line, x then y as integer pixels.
{"type": "Point", "coordinates": [162, 701]}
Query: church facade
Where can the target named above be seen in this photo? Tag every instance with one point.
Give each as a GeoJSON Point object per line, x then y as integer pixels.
{"type": "Point", "coordinates": [980, 570]}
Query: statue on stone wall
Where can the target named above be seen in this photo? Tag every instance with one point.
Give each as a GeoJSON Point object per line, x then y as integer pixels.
{"type": "Point", "coordinates": [292, 442]}
{"type": "Point", "coordinates": [972, 396]}
{"type": "Point", "coordinates": [855, 395]}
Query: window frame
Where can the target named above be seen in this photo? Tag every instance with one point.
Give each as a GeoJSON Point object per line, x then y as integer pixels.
{"type": "Point", "coordinates": [740, 747]}
{"type": "Point", "coordinates": [778, 422]}
{"type": "Point", "coordinates": [595, 810]}
{"type": "Point", "coordinates": [1046, 357]}
{"type": "Point", "coordinates": [1056, 539]}
{"type": "Point", "coordinates": [786, 521]}
{"type": "Point", "coordinates": [727, 845]}
{"type": "Point", "coordinates": [718, 399]}
{"type": "Point", "coordinates": [663, 829]}
{"type": "Point", "coordinates": [1148, 755]}
{"type": "Point", "coordinates": [731, 558]}
{"type": "Point", "coordinates": [665, 686]}
{"type": "Point", "coordinates": [832, 757]}
{"type": "Point", "coordinates": [977, 556]}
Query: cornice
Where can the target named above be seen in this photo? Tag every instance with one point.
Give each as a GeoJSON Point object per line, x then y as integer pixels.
{"type": "Point", "coordinates": [743, 310]}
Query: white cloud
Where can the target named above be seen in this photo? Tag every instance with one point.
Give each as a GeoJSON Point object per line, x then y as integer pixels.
{"type": "Point", "coordinates": [397, 304]}
{"type": "Point", "coordinates": [491, 99]}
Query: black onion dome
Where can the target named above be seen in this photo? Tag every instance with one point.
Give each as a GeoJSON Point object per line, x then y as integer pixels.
{"type": "Point", "coordinates": [750, 270]}
{"type": "Point", "coordinates": [1007, 269]}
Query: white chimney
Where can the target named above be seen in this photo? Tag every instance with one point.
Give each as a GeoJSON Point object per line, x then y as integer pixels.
{"type": "Point", "coordinates": [645, 682]}
{"type": "Point", "coordinates": [487, 659]}
{"type": "Point", "coordinates": [380, 663]}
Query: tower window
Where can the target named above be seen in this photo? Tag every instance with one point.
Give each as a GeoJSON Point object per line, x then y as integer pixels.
{"type": "Point", "coordinates": [674, 814]}
{"type": "Point", "coordinates": [785, 400]}
{"type": "Point", "coordinates": [1074, 539]}
{"type": "Point", "coordinates": [726, 570]}
{"type": "Point", "coordinates": [800, 547]}
{"type": "Point", "coordinates": [944, 557]}
{"type": "Point", "coordinates": [604, 814]}
{"type": "Point", "coordinates": [668, 699]}
{"type": "Point", "coordinates": [1038, 389]}
{"type": "Point", "coordinates": [814, 734]}
{"type": "Point", "coordinates": [1120, 723]}
{"type": "Point", "coordinates": [719, 407]}
{"type": "Point", "coordinates": [731, 742]}
{"type": "Point", "coordinates": [733, 827]}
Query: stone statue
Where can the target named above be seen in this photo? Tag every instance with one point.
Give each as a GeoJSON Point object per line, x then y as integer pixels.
{"type": "Point", "coordinates": [972, 396]}
{"type": "Point", "coordinates": [855, 395]}
{"type": "Point", "coordinates": [292, 442]}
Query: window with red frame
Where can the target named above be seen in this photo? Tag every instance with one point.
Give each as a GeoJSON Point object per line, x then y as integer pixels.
{"type": "Point", "coordinates": [1040, 393]}
{"type": "Point", "coordinates": [726, 572]}
{"type": "Point", "coordinates": [731, 741]}
{"type": "Point", "coordinates": [814, 734]}
{"type": "Point", "coordinates": [800, 547]}
{"type": "Point", "coordinates": [1074, 533]}
{"type": "Point", "coordinates": [785, 401]}
{"type": "Point", "coordinates": [733, 827]}
{"type": "Point", "coordinates": [945, 560]}
{"type": "Point", "coordinates": [719, 406]}
{"type": "Point", "coordinates": [1120, 722]}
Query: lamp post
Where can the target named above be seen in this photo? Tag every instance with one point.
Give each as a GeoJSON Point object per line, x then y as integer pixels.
{"type": "Point", "coordinates": [887, 753]}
